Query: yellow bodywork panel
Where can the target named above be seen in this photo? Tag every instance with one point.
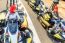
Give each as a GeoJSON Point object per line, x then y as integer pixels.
{"type": "Point", "coordinates": [46, 17]}
{"type": "Point", "coordinates": [31, 2]}
{"type": "Point", "coordinates": [58, 36]}
{"type": "Point", "coordinates": [25, 23]}
{"type": "Point", "coordinates": [2, 16]}
{"type": "Point", "coordinates": [44, 21]}
{"type": "Point", "coordinates": [29, 40]}
{"type": "Point", "coordinates": [38, 8]}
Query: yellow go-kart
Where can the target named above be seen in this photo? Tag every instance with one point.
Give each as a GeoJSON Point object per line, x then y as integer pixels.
{"type": "Point", "coordinates": [44, 19]}
{"type": "Point", "coordinates": [57, 32]}
{"type": "Point", "coordinates": [24, 26]}
{"type": "Point", "coordinates": [58, 36]}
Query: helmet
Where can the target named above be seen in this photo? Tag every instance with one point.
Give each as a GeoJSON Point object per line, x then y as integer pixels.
{"type": "Point", "coordinates": [12, 8]}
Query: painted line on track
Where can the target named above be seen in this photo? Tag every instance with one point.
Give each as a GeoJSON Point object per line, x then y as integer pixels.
{"type": "Point", "coordinates": [30, 24]}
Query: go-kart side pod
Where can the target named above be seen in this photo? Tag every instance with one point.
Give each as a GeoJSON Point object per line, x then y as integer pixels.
{"type": "Point", "coordinates": [37, 8]}
{"type": "Point", "coordinates": [25, 23]}
{"type": "Point", "coordinates": [44, 22]}
{"type": "Point", "coordinates": [57, 36]}
{"type": "Point", "coordinates": [29, 40]}
{"type": "Point", "coordinates": [46, 17]}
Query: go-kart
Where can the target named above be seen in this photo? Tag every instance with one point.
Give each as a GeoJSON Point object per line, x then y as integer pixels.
{"type": "Point", "coordinates": [45, 18]}
{"type": "Point", "coordinates": [26, 33]}
{"type": "Point", "coordinates": [57, 32]}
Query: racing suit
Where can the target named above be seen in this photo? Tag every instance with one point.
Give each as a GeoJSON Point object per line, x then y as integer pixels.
{"type": "Point", "coordinates": [12, 16]}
